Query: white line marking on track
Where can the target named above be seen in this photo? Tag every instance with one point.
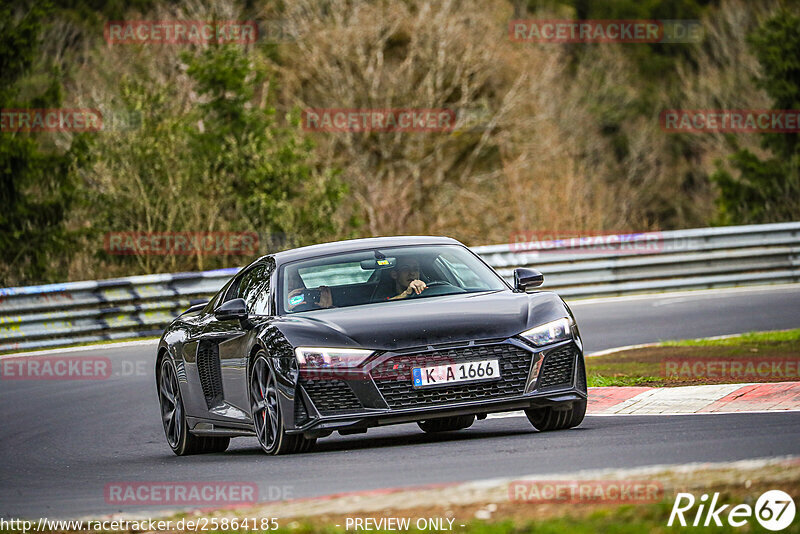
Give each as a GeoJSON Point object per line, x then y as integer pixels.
{"type": "Point", "coordinates": [107, 346]}
{"type": "Point", "coordinates": [706, 293]}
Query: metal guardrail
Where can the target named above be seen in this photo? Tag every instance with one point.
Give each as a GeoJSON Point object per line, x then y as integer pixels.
{"type": "Point", "coordinates": [79, 312]}
{"type": "Point", "coordinates": [657, 261]}
{"type": "Point", "coordinates": [139, 306]}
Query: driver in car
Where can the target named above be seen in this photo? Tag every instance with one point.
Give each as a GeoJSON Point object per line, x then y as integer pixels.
{"type": "Point", "coordinates": [406, 279]}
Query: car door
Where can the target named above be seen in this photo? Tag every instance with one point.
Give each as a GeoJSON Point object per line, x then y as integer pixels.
{"type": "Point", "coordinates": [195, 355]}
{"type": "Point", "coordinates": [225, 344]}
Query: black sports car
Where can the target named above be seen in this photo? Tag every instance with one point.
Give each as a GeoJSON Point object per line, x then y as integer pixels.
{"type": "Point", "coordinates": [348, 335]}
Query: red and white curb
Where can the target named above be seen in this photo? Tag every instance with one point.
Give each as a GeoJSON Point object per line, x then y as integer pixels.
{"type": "Point", "coordinates": [694, 399]}
{"type": "Point", "coordinates": [722, 398]}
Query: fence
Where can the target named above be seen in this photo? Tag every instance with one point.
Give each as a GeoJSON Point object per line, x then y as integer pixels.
{"type": "Point", "coordinates": [139, 306]}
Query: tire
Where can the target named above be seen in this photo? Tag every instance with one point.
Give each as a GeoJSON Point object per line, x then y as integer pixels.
{"type": "Point", "coordinates": [173, 417]}
{"type": "Point", "coordinates": [447, 424]}
{"type": "Point", "coordinates": [307, 445]}
{"type": "Point", "coordinates": [556, 418]}
{"type": "Point", "coordinates": [267, 417]}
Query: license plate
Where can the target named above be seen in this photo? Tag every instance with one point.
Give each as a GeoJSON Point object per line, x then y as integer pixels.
{"type": "Point", "coordinates": [444, 375]}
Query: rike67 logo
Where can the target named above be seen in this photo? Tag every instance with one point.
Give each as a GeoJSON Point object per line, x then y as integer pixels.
{"type": "Point", "coordinates": [774, 510]}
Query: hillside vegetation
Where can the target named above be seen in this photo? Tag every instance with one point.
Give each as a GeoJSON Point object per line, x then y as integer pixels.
{"type": "Point", "coordinates": [551, 137]}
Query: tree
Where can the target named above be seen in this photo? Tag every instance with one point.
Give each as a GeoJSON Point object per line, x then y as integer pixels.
{"type": "Point", "coordinates": [257, 168]}
{"type": "Point", "coordinates": [38, 185]}
{"type": "Point", "coordinates": [768, 190]}
{"type": "Point", "coordinates": [209, 157]}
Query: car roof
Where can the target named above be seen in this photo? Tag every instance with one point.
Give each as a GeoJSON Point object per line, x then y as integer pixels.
{"type": "Point", "coordinates": [351, 245]}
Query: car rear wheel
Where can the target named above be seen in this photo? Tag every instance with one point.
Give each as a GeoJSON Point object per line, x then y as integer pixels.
{"type": "Point", "coordinates": [447, 424]}
{"type": "Point", "coordinates": [557, 417]}
{"type": "Point", "coordinates": [181, 441]}
{"type": "Point", "coordinates": [267, 418]}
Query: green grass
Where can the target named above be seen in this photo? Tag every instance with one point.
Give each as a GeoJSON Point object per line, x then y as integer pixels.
{"type": "Point", "coordinates": [643, 366]}
{"type": "Point", "coordinates": [599, 381]}
{"type": "Point", "coordinates": [779, 336]}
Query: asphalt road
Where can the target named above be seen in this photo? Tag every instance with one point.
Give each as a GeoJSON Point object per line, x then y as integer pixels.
{"type": "Point", "coordinates": [63, 441]}
{"type": "Point", "coordinates": [608, 323]}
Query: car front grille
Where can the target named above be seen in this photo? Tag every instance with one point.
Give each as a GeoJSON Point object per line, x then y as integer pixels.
{"type": "Point", "coordinates": [558, 368]}
{"type": "Point", "coordinates": [331, 396]}
{"type": "Point", "coordinates": [393, 376]}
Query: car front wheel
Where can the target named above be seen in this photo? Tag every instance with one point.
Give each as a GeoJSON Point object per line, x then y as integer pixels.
{"type": "Point", "coordinates": [447, 424]}
{"type": "Point", "coordinates": [557, 417]}
{"type": "Point", "coordinates": [267, 418]}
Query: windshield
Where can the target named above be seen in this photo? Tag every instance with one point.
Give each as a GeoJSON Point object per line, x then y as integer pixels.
{"type": "Point", "coordinates": [383, 275]}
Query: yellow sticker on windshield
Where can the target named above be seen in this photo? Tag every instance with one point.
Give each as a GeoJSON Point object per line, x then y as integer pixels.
{"type": "Point", "coordinates": [383, 262]}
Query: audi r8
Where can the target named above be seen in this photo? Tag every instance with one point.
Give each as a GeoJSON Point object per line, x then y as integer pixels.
{"type": "Point", "coordinates": [344, 336]}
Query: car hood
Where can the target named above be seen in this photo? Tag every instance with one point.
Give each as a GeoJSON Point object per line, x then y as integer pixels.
{"type": "Point", "coordinates": [424, 321]}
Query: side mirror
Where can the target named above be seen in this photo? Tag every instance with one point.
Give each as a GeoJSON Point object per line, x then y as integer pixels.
{"type": "Point", "coordinates": [525, 279]}
{"type": "Point", "coordinates": [233, 309]}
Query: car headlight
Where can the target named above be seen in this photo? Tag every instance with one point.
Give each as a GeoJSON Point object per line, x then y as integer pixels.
{"type": "Point", "coordinates": [545, 334]}
{"type": "Point", "coordinates": [325, 358]}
